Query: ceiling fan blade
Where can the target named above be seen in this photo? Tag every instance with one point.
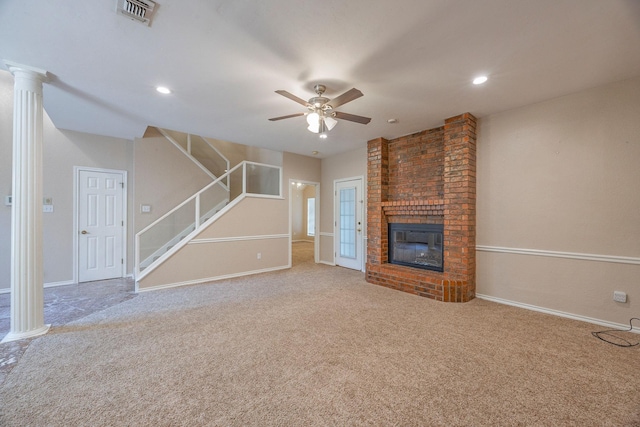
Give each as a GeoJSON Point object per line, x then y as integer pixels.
{"type": "Point", "coordinates": [348, 96]}
{"type": "Point", "coordinates": [287, 117]}
{"type": "Point", "coordinates": [292, 97]}
{"type": "Point", "coordinates": [351, 117]}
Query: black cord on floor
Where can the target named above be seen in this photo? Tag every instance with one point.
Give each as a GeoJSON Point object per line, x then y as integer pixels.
{"type": "Point", "coordinates": [623, 342]}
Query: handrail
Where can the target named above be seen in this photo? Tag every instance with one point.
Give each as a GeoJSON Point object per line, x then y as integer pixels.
{"type": "Point", "coordinates": [188, 152]}
{"type": "Point", "coordinates": [217, 151]}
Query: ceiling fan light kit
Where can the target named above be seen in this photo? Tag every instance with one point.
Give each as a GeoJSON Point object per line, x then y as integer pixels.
{"type": "Point", "coordinates": [321, 116]}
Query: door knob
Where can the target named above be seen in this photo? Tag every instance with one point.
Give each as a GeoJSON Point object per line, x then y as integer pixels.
{"type": "Point", "coordinates": [84, 232]}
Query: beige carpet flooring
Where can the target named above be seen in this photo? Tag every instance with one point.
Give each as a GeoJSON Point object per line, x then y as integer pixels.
{"type": "Point", "coordinates": [318, 346]}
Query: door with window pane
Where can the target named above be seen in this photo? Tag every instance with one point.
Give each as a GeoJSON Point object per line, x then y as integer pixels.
{"type": "Point", "coordinates": [348, 233]}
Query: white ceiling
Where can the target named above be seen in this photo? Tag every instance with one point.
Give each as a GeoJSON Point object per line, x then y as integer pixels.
{"type": "Point", "coordinates": [413, 60]}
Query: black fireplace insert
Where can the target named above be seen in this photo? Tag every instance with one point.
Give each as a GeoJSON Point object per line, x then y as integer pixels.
{"type": "Point", "coordinates": [417, 245]}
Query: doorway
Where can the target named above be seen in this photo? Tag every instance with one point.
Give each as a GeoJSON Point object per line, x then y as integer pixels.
{"type": "Point", "coordinates": [304, 216]}
{"type": "Point", "coordinates": [100, 218]}
{"type": "Point", "coordinates": [349, 214]}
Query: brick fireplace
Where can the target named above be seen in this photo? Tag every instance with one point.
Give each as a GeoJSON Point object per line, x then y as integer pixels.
{"type": "Point", "coordinates": [425, 178]}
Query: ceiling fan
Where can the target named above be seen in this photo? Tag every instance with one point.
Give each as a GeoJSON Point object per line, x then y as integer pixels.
{"type": "Point", "coordinates": [322, 116]}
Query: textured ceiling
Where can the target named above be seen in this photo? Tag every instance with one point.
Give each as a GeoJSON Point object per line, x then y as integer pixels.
{"type": "Point", "coordinates": [413, 60]}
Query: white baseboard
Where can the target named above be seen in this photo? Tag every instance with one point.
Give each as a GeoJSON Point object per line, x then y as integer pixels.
{"type": "Point", "coordinates": [587, 319]}
{"type": "Point", "coordinates": [332, 264]}
{"type": "Point", "coordinates": [62, 283]}
{"type": "Point", "coordinates": [209, 279]}
{"type": "Point", "coordinates": [46, 285]}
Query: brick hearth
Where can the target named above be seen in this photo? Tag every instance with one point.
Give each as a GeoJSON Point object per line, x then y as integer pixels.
{"type": "Point", "coordinates": [427, 177]}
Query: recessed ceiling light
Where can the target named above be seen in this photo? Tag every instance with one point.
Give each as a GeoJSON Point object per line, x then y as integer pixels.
{"type": "Point", "coordinates": [479, 80]}
{"type": "Point", "coordinates": [392, 121]}
{"type": "Point", "coordinates": [315, 153]}
{"type": "Point", "coordinates": [163, 89]}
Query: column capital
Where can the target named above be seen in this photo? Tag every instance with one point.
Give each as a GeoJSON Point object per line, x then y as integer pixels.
{"type": "Point", "coordinates": [26, 71]}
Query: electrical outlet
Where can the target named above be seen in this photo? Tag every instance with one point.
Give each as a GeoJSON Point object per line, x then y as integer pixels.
{"type": "Point", "coordinates": [619, 296]}
{"type": "Point", "coordinates": [47, 208]}
{"type": "Point", "coordinates": [259, 255]}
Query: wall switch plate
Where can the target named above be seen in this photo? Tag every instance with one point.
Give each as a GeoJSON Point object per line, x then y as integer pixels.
{"type": "Point", "coordinates": [619, 296]}
{"type": "Point", "coordinates": [259, 255]}
{"type": "Point", "coordinates": [47, 208]}
{"type": "Point", "coordinates": [145, 208]}
{"type": "Point", "coordinates": [8, 200]}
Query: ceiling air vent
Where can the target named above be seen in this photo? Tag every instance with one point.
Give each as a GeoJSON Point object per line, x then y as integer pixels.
{"type": "Point", "coordinates": [141, 11]}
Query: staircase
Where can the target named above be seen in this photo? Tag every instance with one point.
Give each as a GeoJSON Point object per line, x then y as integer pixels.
{"type": "Point", "coordinates": [169, 233]}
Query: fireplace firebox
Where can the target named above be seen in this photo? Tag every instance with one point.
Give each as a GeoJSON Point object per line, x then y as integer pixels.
{"type": "Point", "coordinates": [417, 245]}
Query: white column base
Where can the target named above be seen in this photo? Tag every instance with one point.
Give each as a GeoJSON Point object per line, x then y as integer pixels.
{"type": "Point", "coordinates": [15, 336]}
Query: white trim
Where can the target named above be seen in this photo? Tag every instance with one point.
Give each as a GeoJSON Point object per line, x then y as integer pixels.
{"type": "Point", "coordinates": [125, 216]}
{"type": "Point", "coordinates": [555, 254]}
{"type": "Point", "coordinates": [46, 285]}
{"type": "Point", "coordinates": [237, 238]}
{"type": "Point", "coordinates": [61, 283]}
{"type": "Point", "coordinates": [325, 234]}
{"type": "Point", "coordinates": [363, 213]}
{"type": "Point", "coordinates": [556, 313]}
{"type": "Point", "coordinates": [209, 279]}
{"type": "Point", "coordinates": [332, 264]}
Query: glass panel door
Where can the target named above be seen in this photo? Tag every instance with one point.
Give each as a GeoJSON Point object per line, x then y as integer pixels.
{"type": "Point", "coordinates": [349, 231]}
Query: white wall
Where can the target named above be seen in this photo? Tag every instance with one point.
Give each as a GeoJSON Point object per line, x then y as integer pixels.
{"type": "Point", "coordinates": [62, 150]}
{"type": "Point", "coordinates": [562, 176]}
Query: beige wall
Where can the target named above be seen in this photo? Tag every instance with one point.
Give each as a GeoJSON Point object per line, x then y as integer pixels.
{"type": "Point", "coordinates": [562, 176]}
{"type": "Point", "coordinates": [62, 150]}
{"type": "Point", "coordinates": [301, 169]}
{"type": "Point", "coordinates": [309, 192]}
{"type": "Point", "coordinates": [164, 178]}
{"type": "Point", "coordinates": [300, 197]}
{"type": "Point", "coordinates": [341, 166]}
{"type": "Point", "coordinates": [6, 142]}
{"type": "Point", "coordinates": [297, 213]}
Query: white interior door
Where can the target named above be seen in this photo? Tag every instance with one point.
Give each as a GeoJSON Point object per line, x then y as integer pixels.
{"type": "Point", "coordinates": [100, 225]}
{"type": "Point", "coordinates": [348, 233]}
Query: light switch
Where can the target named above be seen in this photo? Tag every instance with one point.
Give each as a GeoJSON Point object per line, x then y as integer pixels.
{"type": "Point", "coordinates": [145, 208]}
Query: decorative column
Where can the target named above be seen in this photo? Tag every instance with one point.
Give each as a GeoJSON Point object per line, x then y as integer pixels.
{"type": "Point", "coordinates": [27, 281]}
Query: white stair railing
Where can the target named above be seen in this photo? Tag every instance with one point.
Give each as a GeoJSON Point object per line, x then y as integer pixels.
{"type": "Point", "coordinates": [166, 235]}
